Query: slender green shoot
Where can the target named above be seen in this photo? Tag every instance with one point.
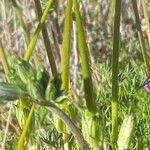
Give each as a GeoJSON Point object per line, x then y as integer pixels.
{"type": "Point", "coordinates": [65, 58]}
{"type": "Point", "coordinates": [147, 19]}
{"type": "Point", "coordinates": [141, 38]}
{"type": "Point", "coordinates": [115, 71]}
{"type": "Point", "coordinates": [46, 40]}
{"type": "Point", "coordinates": [86, 71]}
{"type": "Point", "coordinates": [66, 47]}
{"type": "Point", "coordinates": [37, 31]}
{"type": "Point", "coordinates": [25, 129]}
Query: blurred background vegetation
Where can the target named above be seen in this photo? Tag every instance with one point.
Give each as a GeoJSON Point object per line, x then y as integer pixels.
{"type": "Point", "coordinates": [98, 21]}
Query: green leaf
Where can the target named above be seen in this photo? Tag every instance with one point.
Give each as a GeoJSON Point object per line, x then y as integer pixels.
{"type": "Point", "coordinates": [53, 89]}
{"type": "Point", "coordinates": [42, 76]}
{"type": "Point", "coordinates": [35, 90]}
{"type": "Point", "coordinates": [24, 70]}
{"type": "Point", "coordinates": [11, 92]}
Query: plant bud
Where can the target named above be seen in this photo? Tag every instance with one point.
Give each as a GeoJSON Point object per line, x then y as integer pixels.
{"type": "Point", "coordinates": [126, 132]}
{"type": "Point", "coordinates": [60, 125]}
{"type": "Point", "coordinates": [22, 111]}
{"type": "Point", "coordinates": [92, 128]}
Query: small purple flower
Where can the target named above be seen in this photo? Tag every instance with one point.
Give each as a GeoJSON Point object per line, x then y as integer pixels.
{"type": "Point", "coordinates": [147, 87]}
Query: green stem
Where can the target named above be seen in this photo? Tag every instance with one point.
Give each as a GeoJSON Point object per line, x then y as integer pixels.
{"type": "Point", "coordinates": [147, 19]}
{"type": "Point", "coordinates": [115, 71]}
{"type": "Point", "coordinates": [46, 40]}
{"type": "Point", "coordinates": [86, 71]}
{"type": "Point", "coordinates": [73, 128]}
{"type": "Point", "coordinates": [141, 38]}
{"type": "Point", "coordinates": [66, 46]}
{"type": "Point", "coordinates": [25, 129]}
{"type": "Point", "coordinates": [26, 30]}
{"type": "Point", "coordinates": [37, 31]}
{"type": "Point", "coordinates": [65, 65]}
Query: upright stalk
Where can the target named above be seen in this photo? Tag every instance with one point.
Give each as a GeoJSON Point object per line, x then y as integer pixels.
{"type": "Point", "coordinates": [66, 47]}
{"type": "Point", "coordinates": [65, 58]}
{"type": "Point", "coordinates": [46, 40]}
{"type": "Point", "coordinates": [86, 71]}
{"type": "Point", "coordinates": [141, 38]}
{"type": "Point", "coordinates": [147, 19]}
{"type": "Point", "coordinates": [115, 71]}
{"type": "Point", "coordinates": [37, 31]}
{"type": "Point", "coordinates": [25, 129]}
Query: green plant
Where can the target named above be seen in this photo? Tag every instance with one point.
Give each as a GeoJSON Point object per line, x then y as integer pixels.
{"type": "Point", "coordinates": [48, 108]}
